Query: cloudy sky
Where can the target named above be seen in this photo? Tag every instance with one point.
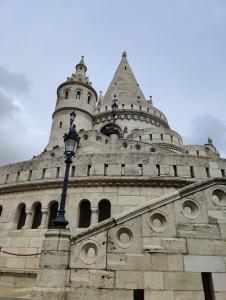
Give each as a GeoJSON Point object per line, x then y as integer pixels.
{"type": "Point", "coordinates": [176, 48]}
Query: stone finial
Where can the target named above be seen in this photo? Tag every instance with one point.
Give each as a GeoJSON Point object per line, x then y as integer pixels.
{"type": "Point", "coordinates": [124, 54]}
{"type": "Point", "coordinates": [210, 141]}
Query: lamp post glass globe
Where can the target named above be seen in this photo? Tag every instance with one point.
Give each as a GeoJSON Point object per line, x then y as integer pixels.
{"type": "Point", "coordinates": [70, 145]}
{"type": "Point", "coordinates": [114, 106]}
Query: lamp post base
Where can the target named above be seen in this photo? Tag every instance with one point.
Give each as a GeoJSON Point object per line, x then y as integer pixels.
{"type": "Point", "coordinates": [60, 223]}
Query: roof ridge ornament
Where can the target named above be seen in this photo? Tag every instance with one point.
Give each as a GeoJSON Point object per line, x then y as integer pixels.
{"type": "Point", "coordinates": [124, 54]}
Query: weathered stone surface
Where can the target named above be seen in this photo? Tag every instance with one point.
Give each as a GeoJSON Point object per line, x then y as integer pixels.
{"type": "Point", "coordinates": [194, 263]}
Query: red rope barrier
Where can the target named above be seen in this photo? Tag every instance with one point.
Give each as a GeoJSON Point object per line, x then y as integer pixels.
{"type": "Point", "coordinates": [17, 254]}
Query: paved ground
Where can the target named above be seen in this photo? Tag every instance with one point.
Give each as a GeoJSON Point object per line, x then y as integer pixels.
{"type": "Point", "coordinates": [11, 292]}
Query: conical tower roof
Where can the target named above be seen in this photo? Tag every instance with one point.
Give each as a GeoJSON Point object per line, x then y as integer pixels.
{"type": "Point", "coordinates": [124, 85]}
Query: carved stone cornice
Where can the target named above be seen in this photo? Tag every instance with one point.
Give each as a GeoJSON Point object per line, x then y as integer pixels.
{"type": "Point", "coordinates": [144, 181]}
{"type": "Point", "coordinates": [131, 114]}
{"type": "Point", "coordinates": [69, 108]}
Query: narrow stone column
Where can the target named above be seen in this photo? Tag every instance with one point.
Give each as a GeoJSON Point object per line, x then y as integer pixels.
{"type": "Point", "coordinates": [94, 215]}
{"type": "Point", "coordinates": [28, 221]}
{"type": "Point", "coordinates": [44, 218]}
{"type": "Point", "coordinates": [53, 273]}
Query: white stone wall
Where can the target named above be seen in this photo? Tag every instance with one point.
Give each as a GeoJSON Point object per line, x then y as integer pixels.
{"type": "Point", "coordinates": [162, 247]}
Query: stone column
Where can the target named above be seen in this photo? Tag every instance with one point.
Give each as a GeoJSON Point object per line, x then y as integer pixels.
{"type": "Point", "coordinates": [53, 273]}
{"type": "Point", "coordinates": [28, 220]}
{"type": "Point", "coordinates": [44, 218]}
{"type": "Point", "coordinates": [94, 215]}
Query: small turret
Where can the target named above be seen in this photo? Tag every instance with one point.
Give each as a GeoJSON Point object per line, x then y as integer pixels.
{"type": "Point", "coordinates": [81, 67]}
{"type": "Point", "coordinates": [77, 94]}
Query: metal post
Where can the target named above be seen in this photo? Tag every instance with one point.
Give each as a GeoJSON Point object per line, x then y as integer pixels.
{"type": "Point", "coordinates": [60, 221]}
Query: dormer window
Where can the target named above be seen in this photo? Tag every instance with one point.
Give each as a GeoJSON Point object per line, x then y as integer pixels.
{"type": "Point", "coordinates": [78, 95]}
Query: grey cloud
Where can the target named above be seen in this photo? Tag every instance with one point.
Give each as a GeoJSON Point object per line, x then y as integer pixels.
{"type": "Point", "coordinates": [7, 107]}
{"type": "Point", "coordinates": [205, 126]}
{"type": "Point", "coordinates": [13, 82]}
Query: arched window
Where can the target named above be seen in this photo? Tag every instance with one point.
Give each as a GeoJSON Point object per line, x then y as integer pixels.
{"type": "Point", "coordinates": [84, 214]}
{"type": "Point", "coordinates": [78, 95]}
{"type": "Point", "coordinates": [53, 209]}
{"type": "Point", "coordinates": [89, 98]}
{"type": "Point", "coordinates": [66, 94]}
{"type": "Point", "coordinates": [37, 213]}
{"type": "Point", "coordinates": [21, 210]}
{"type": "Point", "coordinates": [0, 210]}
{"type": "Point", "coordinates": [104, 210]}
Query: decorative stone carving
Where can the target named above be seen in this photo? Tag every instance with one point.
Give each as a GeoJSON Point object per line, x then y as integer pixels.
{"type": "Point", "coordinates": [219, 197]}
{"type": "Point", "coordinates": [158, 221]}
{"type": "Point", "coordinates": [190, 209]}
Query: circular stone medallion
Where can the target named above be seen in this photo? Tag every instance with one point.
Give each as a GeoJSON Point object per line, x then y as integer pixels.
{"type": "Point", "coordinates": [190, 209]}
{"type": "Point", "coordinates": [158, 222]}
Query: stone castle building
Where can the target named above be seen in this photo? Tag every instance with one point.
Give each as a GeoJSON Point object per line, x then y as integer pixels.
{"type": "Point", "coordinates": [147, 214]}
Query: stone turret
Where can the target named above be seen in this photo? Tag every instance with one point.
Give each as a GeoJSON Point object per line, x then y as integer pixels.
{"type": "Point", "coordinates": [76, 93]}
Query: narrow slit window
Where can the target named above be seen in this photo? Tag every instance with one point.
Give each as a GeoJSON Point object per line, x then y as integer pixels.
{"type": "Point", "coordinates": [192, 172]}
{"type": "Point", "coordinates": [88, 171]}
{"type": "Point", "coordinates": [140, 169]}
{"type": "Point", "coordinates": [138, 294]}
{"type": "Point", "coordinates": [197, 152]}
{"type": "Point", "coordinates": [175, 171]}
{"type": "Point", "coordinates": [89, 98]}
{"type": "Point", "coordinates": [123, 170]}
{"type": "Point", "coordinates": [131, 106]}
{"type": "Point", "coordinates": [72, 171]}
{"type": "Point", "coordinates": [43, 173]}
{"type": "Point", "coordinates": [123, 106]}
{"type": "Point", "coordinates": [207, 283]}
{"type": "Point", "coordinates": [207, 172]}
{"type": "Point", "coordinates": [29, 175]}
{"type": "Point", "coordinates": [171, 137]}
{"type": "Point", "coordinates": [66, 94]}
{"type": "Point", "coordinates": [105, 169]}
{"type": "Point", "coordinates": [18, 175]}
{"type": "Point", "coordinates": [223, 172]}
{"type": "Point", "coordinates": [161, 137]}
{"type": "Point", "coordinates": [140, 138]}
{"type": "Point", "coordinates": [150, 137]}
{"type": "Point", "coordinates": [60, 126]}
{"type": "Point", "coordinates": [158, 170]}
{"type": "Point", "coordinates": [7, 177]}
{"type": "Point", "coordinates": [58, 172]}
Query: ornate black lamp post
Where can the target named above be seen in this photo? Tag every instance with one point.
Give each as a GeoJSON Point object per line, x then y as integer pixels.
{"type": "Point", "coordinates": [114, 107]}
{"type": "Point", "coordinates": [71, 141]}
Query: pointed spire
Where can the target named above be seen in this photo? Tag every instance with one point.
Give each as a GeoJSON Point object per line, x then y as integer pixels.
{"type": "Point", "coordinates": [124, 85]}
{"type": "Point", "coordinates": [81, 66]}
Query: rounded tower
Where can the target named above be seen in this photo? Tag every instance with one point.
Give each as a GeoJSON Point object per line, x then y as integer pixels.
{"type": "Point", "coordinates": [77, 94]}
